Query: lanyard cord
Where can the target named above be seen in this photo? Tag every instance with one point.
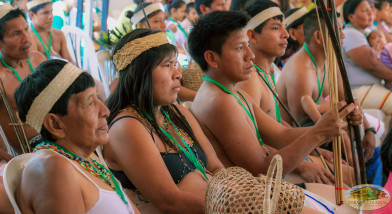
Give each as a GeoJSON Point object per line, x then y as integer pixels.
{"type": "Point", "coordinates": [180, 27]}
{"type": "Point", "coordinates": [320, 88]}
{"type": "Point", "coordinates": [350, 25]}
{"type": "Point", "coordinates": [13, 69]}
{"type": "Point", "coordinates": [247, 111]}
{"type": "Point", "coordinates": [278, 116]}
{"type": "Point", "coordinates": [47, 50]}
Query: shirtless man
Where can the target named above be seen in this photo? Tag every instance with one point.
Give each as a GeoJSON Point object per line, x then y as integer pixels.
{"type": "Point", "coordinates": [50, 42]}
{"type": "Point", "coordinates": [17, 62]}
{"type": "Point", "coordinates": [225, 118]}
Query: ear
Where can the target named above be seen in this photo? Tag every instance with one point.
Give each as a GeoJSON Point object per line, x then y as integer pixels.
{"type": "Point", "coordinates": [54, 125]}
{"type": "Point", "coordinates": [173, 10]}
{"type": "Point", "coordinates": [204, 9]}
{"type": "Point", "coordinates": [212, 59]}
{"type": "Point", "coordinates": [350, 17]}
{"type": "Point", "coordinates": [318, 37]}
{"type": "Point", "coordinates": [252, 36]}
{"type": "Point", "coordinates": [292, 34]}
{"type": "Point", "coordinates": [31, 14]}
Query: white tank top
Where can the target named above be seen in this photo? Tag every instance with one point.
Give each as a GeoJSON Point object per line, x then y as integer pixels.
{"type": "Point", "coordinates": [108, 201]}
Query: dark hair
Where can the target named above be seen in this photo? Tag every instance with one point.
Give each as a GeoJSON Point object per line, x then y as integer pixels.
{"type": "Point", "coordinates": [256, 7]}
{"type": "Point", "coordinates": [285, 5]}
{"type": "Point", "coordinates": [349, 8]}
{"type": "Point", "coordinates": [129, 13]}
{"type": "Point", "coordinates": [238, 5]}
{"type": "Point", "coordinates": [380, 3]}
{"type": "Point", "coordinates": [35, 83]}
{"type": "Point", "coordinates": [206, 3]}
{"type": "Point", "coordinates": [38, 7]}
{"type": "Point", "coordinates": [386, 154]}
{"type": "Point", "coordinates": [135, 86]}
{"type": "Point", "coordinates": [189, 7]}
{"type": "Point", "coordinates": [211, 31]}
{"type": "Point", "coordinates": [10, 15]}
{"type": "Point", "coordinates": [176, 4]}
{"type": "Point", "coordinates": [311, 24]}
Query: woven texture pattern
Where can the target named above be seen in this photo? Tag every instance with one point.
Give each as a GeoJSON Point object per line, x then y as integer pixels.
{"type": "Point", "coordinates": [235, 190]}
{"type": "Point", "coordinates": [192, 76]}
{"type": "Point", "coordinates": [4, 9]}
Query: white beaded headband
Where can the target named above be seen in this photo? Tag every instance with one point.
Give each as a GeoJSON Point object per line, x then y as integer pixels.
{"type": "Point", "coordinates": [5, 9]}
{"type": "Point", "coordinates": [137, 17]}
{"type": "Point", "coordinates": [35, 3]}
{"type": "Point", "coordinates": [296, 15]}
{"type": "Point", "coordinates": [262, 17]}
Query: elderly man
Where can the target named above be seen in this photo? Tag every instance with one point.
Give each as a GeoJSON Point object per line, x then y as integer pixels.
{"type": "Point", "coordinates": [17, 62]}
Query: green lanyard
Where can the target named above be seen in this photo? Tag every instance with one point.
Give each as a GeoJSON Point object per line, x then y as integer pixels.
{"type": "Point", "coordinates": [13, 69]}
{"type": "Point", "coordinates": [188, 151]}
{"type": "Point", "coordinates": [350, 25]}
{"type": "Point", "coordinates": [180, 27]}
{"type": "Point", "coordinates": [278, 117]}
{"type": "Point", "coordinates": [247, 111]}
{"type": "Point", "coordinates": [320, 88]}
{"type": "Point", "coordinates": [47, 50]}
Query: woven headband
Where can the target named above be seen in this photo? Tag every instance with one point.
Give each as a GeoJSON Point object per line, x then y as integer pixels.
{"type": "Point", "coordinates": [35, 3]}
{"type": "Point", "coordinates": [134, 48]}
{"type": "Point", "coordinates": [45, 101]}
{"type": "Point", "coordinates": [137, 17]}
{"type": "Point", "coordinates": [262, 17]}
{"type": "Point", "coordinates": [296, 15]}
{"type": "Point", "coordinates": [5, 9]}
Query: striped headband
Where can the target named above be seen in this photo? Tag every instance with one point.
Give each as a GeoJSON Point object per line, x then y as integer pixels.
{"type": "Point", "coordinates": [296, 15]}
{"type": "Point", "coordinates": [262, 17]}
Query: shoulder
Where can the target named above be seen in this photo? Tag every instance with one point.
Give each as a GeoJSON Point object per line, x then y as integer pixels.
{"type": "Point", "coordinates": [36, 58]}
{"type": "Point", "coordinates": [56, 32]}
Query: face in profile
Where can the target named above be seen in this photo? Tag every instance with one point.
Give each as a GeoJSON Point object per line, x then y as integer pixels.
{"type": "Point", "coordinates": [157, 22]}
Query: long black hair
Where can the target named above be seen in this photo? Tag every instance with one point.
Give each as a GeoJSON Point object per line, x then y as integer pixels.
{"type": "Point", "coordinates": [135, 87]}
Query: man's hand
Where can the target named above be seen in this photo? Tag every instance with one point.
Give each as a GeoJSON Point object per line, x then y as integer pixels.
{"type": "Point", "coordinates": [328, 155]}
{"type": "Point", "coordinates": [313, 173]}
{"type": "Point", "coordinates": [369, 144]}
{"type": "Point", "coordinates": [356, 117]}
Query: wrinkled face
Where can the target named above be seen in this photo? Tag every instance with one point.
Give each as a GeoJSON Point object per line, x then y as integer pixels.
{"type": "Point", "coordinates": [44, 17]}
{"type": "Point", "coordinates": [166, 80]}
{"type": "Point", "coordinates": [85, 123]}
{"type": "Point", "coordinates": [192, 16]}
{"type": "Point", "coordinates": [377, 40]}
{"type": "Point", "coordinates": [272, 40]}
{"type": "Point", "coordinates": [179, 13]}
{"type": "Point", "coordinates": [236, 57]}
{"type": "Point", "coordinates": [218, 5]}
{"type": "Point", "coordinates": [157, 22]}
{"type": "Point", "coordinates": [16, 39]}
{"type": "Point", "coordinates": [362, 17]}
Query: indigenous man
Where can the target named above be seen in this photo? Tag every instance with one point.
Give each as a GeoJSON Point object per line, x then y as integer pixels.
{"type": "Point", "coordinates": [303, 87]}
{"type": "Point", "coordinates": [50, 42]}
{"type": "Point", "coordinates": [207, 6]}
{"type": "Point", "coordinates": [233, 122]}
{"type": "Point", "coordinates": [17, 62]}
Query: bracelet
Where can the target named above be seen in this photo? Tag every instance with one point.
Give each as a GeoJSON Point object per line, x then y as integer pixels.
{"type": "Point", "coordinates": [371, 129]}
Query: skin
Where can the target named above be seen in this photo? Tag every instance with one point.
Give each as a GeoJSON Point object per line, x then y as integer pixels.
{"type": "Point", "coordinates": [131, 142]}
{"type": "Point", "coordinates": [15, 48]}
{"type": "Point", "coordinates": [157, 22]}
{"type": "Point", "coordinates": [297, 34]}
{"type": "Point", "coordinates": [377, 40]}
{"type": "Point", "coordinates": [364, 55]}
{"type": "Point", "coordinates": [235, 142]}
{"type": "Point", "coordinates": [40, 191]}
{"type": "Point", "coordinates": [42, 22]}
{"type": "Point", "coordinates": [383, 15]}
{"type": "Point", "coordinates": [192, 16]}
{"type": "Point", "coordinates": [215, 5]}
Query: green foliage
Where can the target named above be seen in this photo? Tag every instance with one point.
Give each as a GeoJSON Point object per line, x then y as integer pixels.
{"type": "Point", "coordinates": [108, 40]}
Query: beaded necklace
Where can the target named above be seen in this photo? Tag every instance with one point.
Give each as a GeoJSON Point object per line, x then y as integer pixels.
{"type": "Point", "coordinates": [47, 50]}
{"type": "Point", "coordinates": [277, 110]}
{"type": "Point", "coordinates": [320, 88]}
{"type": "Point", "coordinates": [13, 69]}
{"type": "Point", "coordinates": [99, 171]}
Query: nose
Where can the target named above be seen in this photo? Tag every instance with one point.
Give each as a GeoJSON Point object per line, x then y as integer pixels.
{"type": "Point", "coordinates": [285, 33]}
{"type": "Point", "coordinates": [249, 55]}
{"type": "Point", "coordinates": [177, 72]}
{"type": "Point", "coordinates": [103, 110]}
{"type": "Point", "coordinates": [163, 25]}
{"type": "Point", "coordinates": [26, 36]}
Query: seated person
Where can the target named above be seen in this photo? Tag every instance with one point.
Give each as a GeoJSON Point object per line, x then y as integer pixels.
{"type": "Point", "coordinates": [176, 15]}
{"type": "Point", "coordinates": [150, 136]}
{"type": "Point", "coordinates": [232, 121]}
{"type": "Point", "coordinates": [60, 102]}
{"type": "Point", "coordinates": [190, 16]}
{"type": "Point", "coordinates": [45, 39]}
{"type": "Point", "coordinates": [364, 70]}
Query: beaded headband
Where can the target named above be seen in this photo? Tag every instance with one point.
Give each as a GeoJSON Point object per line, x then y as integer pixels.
{"type": "Point", "coordinates": [5, 9]}
{"type": "Point", "coordinates": [296, 15]}
{"type": "Point", "coordinates": [262, 17]}
{"type": "Point", "coordinates": [35, 3]}
{"type": "Point", "coordinates": [45, 101]}
{"type": "Point", "coordinates": [137, 17]}
{"type": "Point", "coordinates": [134, 48]}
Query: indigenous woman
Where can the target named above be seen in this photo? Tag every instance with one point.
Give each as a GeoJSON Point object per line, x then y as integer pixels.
{"type": "Point", "coordinates": [64, 175]}
{"type": "Point", "coordinates": [155, 148]}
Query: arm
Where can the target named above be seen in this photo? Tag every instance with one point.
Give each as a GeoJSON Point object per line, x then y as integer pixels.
{"type": "Point", "coordinates": [137, 155]}
{"type": "Point", "coordinates": [310, 108]}
{"type": "Point", "coordinates": [250, 87]}
{"type": "Point", "coordinates": [186, 94]}
{"type": "Point", "coordinates": [365, 58]}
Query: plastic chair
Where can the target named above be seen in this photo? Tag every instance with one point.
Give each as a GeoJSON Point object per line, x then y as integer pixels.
{"type": "Point", "coordinates": [106, 66]}
{"type": "Point", "coordinates": [81, 48]}
{"type": "Point", "coordinates": [13, 175]}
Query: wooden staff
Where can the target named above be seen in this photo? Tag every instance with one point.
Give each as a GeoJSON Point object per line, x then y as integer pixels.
{"type": "Point", "coordinates": [15, 122]}
{"type": "Point", "coordinates": [10, 150]}
{"type": "Point", "coordinates": [144, 13]}
{"type": "Point", "coordinates": [347, 89]}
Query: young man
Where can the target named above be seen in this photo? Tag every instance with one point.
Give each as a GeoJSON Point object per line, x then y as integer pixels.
{"type": "Point", "coordinates": [207, 6]}
{"type": "Point", "coordinates": [45, 39]}
{"type": "Point", "coordinates": [17, 62]}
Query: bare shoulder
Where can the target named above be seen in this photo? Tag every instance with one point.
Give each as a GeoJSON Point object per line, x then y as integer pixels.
{"type": "Point", "coordinates": [57, 33]}
{"type": "Point", "coordinates": [36, 58]}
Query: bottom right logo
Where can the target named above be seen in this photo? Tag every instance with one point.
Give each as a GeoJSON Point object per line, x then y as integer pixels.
{"type": "Point", "coordinates": [367, 197]}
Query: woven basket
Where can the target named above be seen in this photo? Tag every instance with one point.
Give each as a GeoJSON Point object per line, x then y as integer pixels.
{"type": "Point", "coordinates": [192, 76]}
{"type": "Point", "coordinates": [235, 190]}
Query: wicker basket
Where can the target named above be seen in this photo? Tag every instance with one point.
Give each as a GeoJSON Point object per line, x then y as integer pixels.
{"type": "Point", "coordinates": [192, 76]}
